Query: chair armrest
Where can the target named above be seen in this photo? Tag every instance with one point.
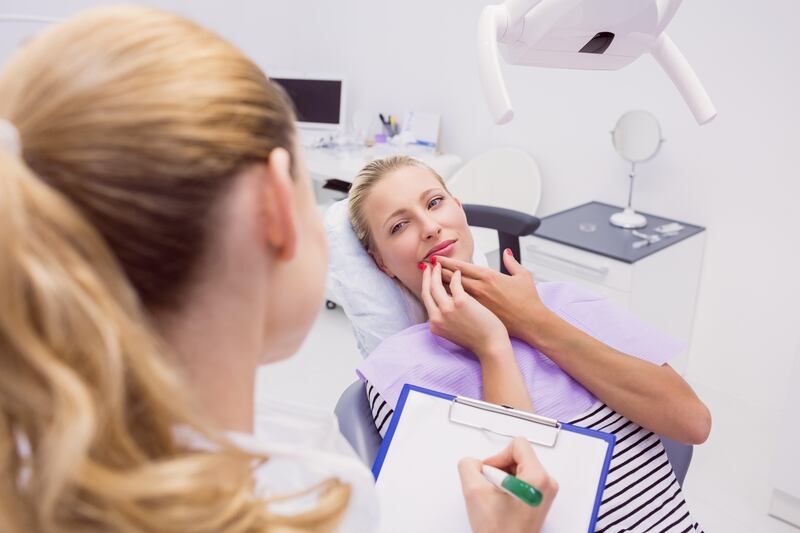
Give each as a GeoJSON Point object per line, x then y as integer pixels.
{"type": "Point", "coordinates": [515, 223]}
{"type": "Point", "coordinates": [510, 225]}
{"type": "Point", "coordinates": [356, 424]}
{"type": "Point", "coordinates": [679, 455]}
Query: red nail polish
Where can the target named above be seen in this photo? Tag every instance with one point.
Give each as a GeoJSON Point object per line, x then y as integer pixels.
{"type": "Point", "coordinates": [508, 251]}
{"type": "Point", "coordinates": [422, 266]}
{"type": "Point", "coordinates": [433, 260]}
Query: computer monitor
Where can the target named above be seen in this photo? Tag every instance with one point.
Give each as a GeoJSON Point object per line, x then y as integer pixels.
{"type": "Point", "coordinates": [318, 101]}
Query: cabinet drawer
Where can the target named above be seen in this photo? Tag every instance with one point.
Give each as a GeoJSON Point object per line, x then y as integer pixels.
{"type": "Point", "coordinates": [542, 273]}
{"type": "Point", "coordinates": [577, 264]}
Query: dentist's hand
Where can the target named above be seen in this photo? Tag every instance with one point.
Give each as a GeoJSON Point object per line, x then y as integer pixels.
{"type": "Point", "coordinates": [491, 510]}
{"type": "Point", "coordinates": [460, 318]}
{"type": "Point", "coordinates": [513, 298]}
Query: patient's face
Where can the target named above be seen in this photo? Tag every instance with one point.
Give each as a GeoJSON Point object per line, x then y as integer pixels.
{"type": "Point", "coordinates": [411, 217]}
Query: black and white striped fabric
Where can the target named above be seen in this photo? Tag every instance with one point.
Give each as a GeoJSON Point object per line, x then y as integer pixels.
{"type": "Point", "coordinates": [381, 412]}
{"type": "Point", "coordinates": [641, 492]}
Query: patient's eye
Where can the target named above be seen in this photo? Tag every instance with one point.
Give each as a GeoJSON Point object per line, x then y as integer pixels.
{"type": "Point", "coordinates": [397, 227]}
{"type": "Point", "coordinates": [434, 202]}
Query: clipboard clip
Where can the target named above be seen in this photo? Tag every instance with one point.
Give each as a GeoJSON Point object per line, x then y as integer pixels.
{"type": "Point", "coordinates": [504, 420]}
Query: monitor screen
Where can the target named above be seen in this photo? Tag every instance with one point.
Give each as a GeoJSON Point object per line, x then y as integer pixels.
{"type": "Point", "coordinates": [316, 101]}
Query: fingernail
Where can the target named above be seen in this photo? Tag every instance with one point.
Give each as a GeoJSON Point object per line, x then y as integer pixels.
{"type": "Point", "coordinates": [433, 260]}
{"type": "Point", "coordinates": [508, 251]}
{"type": "Point", "coordinates": [422, 266]}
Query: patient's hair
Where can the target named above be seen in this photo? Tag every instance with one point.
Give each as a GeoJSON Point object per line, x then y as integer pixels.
{"type": "Point", "coordinates": [133, 124]}
{"type": "Point", "coordinates": [366, 178]}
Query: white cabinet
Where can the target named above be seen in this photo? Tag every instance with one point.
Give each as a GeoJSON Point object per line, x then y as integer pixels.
{"type": "Point", "coordinates": [660, 287]}
{"type": "Point", "coordinates": [343, 164]}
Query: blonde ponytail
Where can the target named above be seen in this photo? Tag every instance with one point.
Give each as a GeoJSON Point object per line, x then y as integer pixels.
{"type": "Point", "coordinates": [116, 167]}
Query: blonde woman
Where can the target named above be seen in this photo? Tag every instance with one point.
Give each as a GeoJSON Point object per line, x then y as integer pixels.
{"type": "Point", "coordinates": [552, 348]}
{"type": "Point", "coordinates": [158, 242]}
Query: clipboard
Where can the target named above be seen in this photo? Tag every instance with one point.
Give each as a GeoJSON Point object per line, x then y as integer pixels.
{"type": "Point", "coordinates": [416, 470]}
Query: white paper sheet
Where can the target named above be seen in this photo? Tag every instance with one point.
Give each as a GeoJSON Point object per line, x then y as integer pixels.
{"type": "Point", "coordinates": [424, 126]}
{"type": "Point", "coordinates": [419, 488]}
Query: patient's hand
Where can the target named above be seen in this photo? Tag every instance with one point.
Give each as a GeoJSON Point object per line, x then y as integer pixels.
{"type": "Point", "coordinates": [513, 298]}
{"type": "Point", "coordinates": [460, 318]}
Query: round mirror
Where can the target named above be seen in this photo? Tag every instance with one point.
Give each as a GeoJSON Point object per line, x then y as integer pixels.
{"type": "Point", "coordinates": [637, 136]}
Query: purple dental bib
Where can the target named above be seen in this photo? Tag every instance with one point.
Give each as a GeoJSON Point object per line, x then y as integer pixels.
{"type": "Point", "coordinates": [417, 356]}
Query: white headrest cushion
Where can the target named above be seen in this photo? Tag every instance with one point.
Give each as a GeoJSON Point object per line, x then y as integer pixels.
{"type": "Point", "coordinates": [377, 305]}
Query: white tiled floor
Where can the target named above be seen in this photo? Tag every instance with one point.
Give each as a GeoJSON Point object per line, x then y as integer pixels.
{"type": "Point", "coordinates": [727, 484]}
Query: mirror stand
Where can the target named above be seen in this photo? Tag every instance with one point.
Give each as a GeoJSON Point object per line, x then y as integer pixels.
{"type": "Point", "coordinates": [629, 219]}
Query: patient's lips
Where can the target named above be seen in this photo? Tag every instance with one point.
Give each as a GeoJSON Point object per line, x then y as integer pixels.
{"type": "Point", "coordinates": [443, 248]}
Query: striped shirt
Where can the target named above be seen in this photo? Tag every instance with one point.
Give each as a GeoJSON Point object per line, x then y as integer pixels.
{"type": "Point", "coordinates": [641, 492]}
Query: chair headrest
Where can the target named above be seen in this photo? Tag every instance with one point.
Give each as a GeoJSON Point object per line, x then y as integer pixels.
{"type": "Point", "coordinates": [377, 305]}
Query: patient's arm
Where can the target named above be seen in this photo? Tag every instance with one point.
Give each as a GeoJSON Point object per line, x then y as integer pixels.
{"type": "Point", "coordinates": [502, 380]}
{"type": "Point", "coordinates": [461, 319]}
{"type": "Point", "coordinates": [651, 395]}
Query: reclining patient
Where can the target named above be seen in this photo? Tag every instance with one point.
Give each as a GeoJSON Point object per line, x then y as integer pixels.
{"type": "Point", "coordinates": [551, 348]}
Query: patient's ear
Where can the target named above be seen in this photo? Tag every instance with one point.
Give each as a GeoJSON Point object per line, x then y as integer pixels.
{"type": "Point", "coordinates": [376, 257]}
{"type": "Point", "coordinates": [278, 205]}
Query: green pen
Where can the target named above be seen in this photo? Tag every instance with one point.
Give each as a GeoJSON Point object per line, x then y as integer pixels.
{"type": "Point", "coordinates": [512, 485]}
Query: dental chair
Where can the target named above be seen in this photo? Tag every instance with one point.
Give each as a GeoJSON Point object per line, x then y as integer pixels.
{"type": "Point", "coordinates": [352, 410]}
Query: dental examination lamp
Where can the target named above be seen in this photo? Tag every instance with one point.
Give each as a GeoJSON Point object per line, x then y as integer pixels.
{"type": "Point", "coordinates": [581, 34]}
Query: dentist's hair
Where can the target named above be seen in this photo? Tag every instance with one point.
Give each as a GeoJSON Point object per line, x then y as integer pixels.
{"type": "Point", "coordinates": [365, 180]}
{"type": "Point", "coordinates": [133, 124]}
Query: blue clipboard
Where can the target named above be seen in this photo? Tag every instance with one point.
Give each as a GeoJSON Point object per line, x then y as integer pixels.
{"type": "Point", "coordinates": [390, 432]}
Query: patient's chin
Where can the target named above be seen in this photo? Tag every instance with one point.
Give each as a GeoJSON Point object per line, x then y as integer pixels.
{"type": "Point", "coordinates": [466, 249]}
{"type": "Point", "coordinates": [461, 252]}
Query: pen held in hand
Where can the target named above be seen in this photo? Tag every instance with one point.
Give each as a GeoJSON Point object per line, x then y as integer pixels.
{"type": "Point", "coordinates": [512, 485]}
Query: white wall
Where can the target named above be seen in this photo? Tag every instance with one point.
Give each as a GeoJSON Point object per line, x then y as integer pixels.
{"type": "Point", "coordinates": [737, 175]}
{"type": "Point", "coordinates": [786, 466]}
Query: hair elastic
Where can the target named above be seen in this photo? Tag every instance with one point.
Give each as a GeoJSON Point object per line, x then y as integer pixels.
{"type": "Point", "coordinates": [9, 137]}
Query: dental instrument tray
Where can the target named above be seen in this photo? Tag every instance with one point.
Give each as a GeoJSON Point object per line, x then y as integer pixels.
{"type": "Point", "coordinates": [586, 227]}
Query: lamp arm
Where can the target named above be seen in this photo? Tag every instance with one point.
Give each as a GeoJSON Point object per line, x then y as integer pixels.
{"type": "Point", "coordinates": [492, 24]}
{"type": "Point", "coordinates": [667, 54]}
